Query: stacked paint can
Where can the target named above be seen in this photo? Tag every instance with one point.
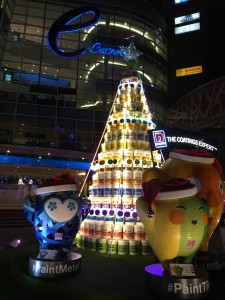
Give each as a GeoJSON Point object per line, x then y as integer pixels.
{"type": "Point", "coordinates": [124, 154]}
{"type": "Point", "coordinates": [113, 232]}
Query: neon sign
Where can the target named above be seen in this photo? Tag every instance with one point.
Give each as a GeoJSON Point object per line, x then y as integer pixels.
{"type": "Point", "coordinates": [62, 25]}
{"type": "Point", "coordinates": [180, 1]}
{"type": "Point", "coordinates": [191, 141]}
{"type": "Point", "coordinates": [187, 28]}
{"type": "Point", "coordinates": [97, 48]}
{"type": "Point", "coordinates": [187, 18]}
{"type": "Point", "coordinates": [179, 138]}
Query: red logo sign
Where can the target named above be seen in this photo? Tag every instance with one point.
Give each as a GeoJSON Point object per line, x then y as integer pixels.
{"type": "Point", "coordinates": [190, 244]}
{"type": "Point", "coordinates": [58, 236]}
{"type": "Point", "coordinates": [159, 138]}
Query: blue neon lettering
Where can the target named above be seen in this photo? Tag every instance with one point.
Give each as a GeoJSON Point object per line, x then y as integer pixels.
{"type": "Point", "coordinates": [62, 25]}
{"type": "Point", "coordinates": [97, 48]}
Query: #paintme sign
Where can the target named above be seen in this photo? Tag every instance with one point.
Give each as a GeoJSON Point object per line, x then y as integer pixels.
{"type": "Point", "coordinates": [188, 71]}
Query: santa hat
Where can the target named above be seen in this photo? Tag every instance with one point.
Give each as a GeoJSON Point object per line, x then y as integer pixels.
{"type": "Point", "coordinates": [59, 183]}
{"type": "Point", "coordinates": [195, 155]}
{"type": "Point", "coordinates": [159, 189]}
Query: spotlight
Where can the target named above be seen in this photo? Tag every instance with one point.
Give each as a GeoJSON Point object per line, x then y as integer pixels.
{"type": "Point", "coordinates": [15, 243]}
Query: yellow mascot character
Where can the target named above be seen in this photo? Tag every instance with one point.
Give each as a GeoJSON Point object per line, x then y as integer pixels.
{"type": "Point", "coordinates": [204, 170]}
{"type": "Point", "coordinates": [174, 216]}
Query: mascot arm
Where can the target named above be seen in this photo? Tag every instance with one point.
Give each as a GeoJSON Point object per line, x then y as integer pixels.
{"type": "Point", "coordinates": [142, 208]}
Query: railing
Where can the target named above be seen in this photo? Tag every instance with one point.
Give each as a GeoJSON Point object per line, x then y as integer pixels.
{"type": "Point", "coordinates": [12, 195]}
{"type": "Point", "coordinates": [13, 218]}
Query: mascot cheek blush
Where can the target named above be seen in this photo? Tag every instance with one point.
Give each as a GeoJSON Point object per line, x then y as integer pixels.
{"type": "Point", "coordinates": [56, 212]}
{"type": "Point", "coordinates": [174, 217]}
{"type": "Point", "coordinates": [203, 169]}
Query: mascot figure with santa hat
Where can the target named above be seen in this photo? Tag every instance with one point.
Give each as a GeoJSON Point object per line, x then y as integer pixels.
{"type": "Point", "coordinates": [56, 212]}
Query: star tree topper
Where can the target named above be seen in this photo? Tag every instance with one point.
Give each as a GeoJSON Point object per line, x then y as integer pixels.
{"type": "Point", "coordinates": [131, 55]}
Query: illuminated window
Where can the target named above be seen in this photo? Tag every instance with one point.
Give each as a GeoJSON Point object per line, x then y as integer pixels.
{"type": "Point", "coordinates": [15, 37]}
{"type": "Point", "coordinates": [8, 77]}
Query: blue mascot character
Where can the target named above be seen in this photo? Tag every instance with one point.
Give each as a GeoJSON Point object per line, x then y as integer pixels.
{"type": "Point", "coordinates": [56, 212]}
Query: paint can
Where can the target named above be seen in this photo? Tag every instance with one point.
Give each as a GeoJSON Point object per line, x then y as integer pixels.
{"type": "Point", "coordinates": [101, 245]}
{"type": "Point", "coordinates": [112, 246]}
{"type": "Point", "coordinates": [134, 247]}
{"type": "Point", "coordinates": [92, 244]}
{"type": "Point", "coordinates": [107, 230]}
{"type": "Point", "coordinates": [118, 231]}
{"type": "Point", "coordinates": [145, 247]}
{"type": "Point", "coordinates": [123, 247]}
{"type": "Point", "coordinates": [128, 231]}
{"type": "Point", "coordinates": [139, 232]}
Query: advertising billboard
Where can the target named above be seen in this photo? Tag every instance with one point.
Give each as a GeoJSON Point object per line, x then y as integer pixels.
{"type": "Point", "coordinates": [188, 71]}
{"type": "Point", "coordinates": [180, 1]}
{"type": "Point", "coordinates": [169, 138]}
{"type": "Point", "coordinates": [187, 28]}
{"type": "Point", "coordinates": [187, 18]}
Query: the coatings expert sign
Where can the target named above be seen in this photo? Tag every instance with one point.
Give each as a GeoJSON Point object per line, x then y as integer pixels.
{"type": "Point", "coordinates": [179, 138]}
{"type": "Point", "coordinates": [187, 140]}
{"type": "Point", "coordinates": [188, 71]}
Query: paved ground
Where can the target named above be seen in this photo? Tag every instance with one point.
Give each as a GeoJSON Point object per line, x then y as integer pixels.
{"type": "Point", "coordinates": [25, 235]}
{"type": "Point", "coordinates": [101, 278]}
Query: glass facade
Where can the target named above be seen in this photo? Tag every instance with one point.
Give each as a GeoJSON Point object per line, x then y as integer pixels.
{"type": "Point", "coordinates": [50, 101]}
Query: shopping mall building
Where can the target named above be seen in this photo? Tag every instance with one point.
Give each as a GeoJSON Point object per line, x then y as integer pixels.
{"type": "Point", "coordinates": [61, 63]}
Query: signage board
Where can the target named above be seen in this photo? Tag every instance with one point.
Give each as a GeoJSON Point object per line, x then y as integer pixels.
{"type": "Point", "coordinates": [187, 18]}
{"type": "Point", "coordinates": [180, 1]}
{"type": "Point", "coordinates": [98, 48]}
{"type": "Point", "coordinates": [188, 71]}
{"type": "Point", "coordinates": [180, 139]}
{"type": "Point", "coordinates": [187, 28]}
{"type": "Point", "coordinates": [64, 25]}
{"type": "Point", "coordinates": [159, 138]}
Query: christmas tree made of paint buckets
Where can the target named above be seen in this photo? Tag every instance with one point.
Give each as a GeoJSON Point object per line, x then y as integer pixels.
{"type": "Point", "coordinates": [123, 155]}
{"type": "Point", "coordinates": [125, 152]}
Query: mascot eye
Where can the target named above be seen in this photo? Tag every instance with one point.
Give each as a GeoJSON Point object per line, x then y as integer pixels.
{"type": "Point", "coordinates": [61, 211]}
{"type": "Point", "coordinates": [196, 182]}
{"type": "Point", "coordinates": [221, 187]}
{"type": "Point", "coordinates": [181, 207]}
